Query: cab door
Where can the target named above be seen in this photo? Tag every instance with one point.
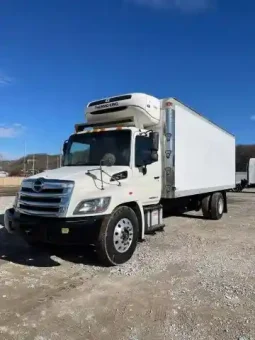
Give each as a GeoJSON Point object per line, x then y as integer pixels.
{"type": "Point", "coordinates": [146, 172]}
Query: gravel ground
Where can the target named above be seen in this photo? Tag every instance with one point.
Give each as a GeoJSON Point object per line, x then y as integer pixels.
{"type": "Point", "coordinates": [5, 202]}
{"type": "Point", "coordinates": [194, 281]}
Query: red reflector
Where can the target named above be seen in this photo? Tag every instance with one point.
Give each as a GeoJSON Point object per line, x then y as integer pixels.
{"type": "Point", "coordinates": [130, 193]}
{"type": "Point", "coordinates": [169, 104]}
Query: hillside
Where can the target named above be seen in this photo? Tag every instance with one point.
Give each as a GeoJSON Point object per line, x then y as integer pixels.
{"type": "Point", "coordinates": [243, 154]}
{"type": "Point", "coordinates": [16, 167]}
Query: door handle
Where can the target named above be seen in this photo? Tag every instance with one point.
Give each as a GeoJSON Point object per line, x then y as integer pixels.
{"type": "Point", "coordinates": [157, 177]}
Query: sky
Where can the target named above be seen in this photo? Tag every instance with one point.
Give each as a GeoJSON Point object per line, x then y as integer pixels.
{"type": "Point", "coordinates": [57, 55]}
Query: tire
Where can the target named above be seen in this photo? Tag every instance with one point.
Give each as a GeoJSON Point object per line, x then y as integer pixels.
{"type": "Point", "coordinates": [217, 206]}
{"type": "Point", "coordinates": [206, 207]}
{"type": "Point", "coordinates": [118, 237]}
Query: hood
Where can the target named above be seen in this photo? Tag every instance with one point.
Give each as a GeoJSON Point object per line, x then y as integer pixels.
{"type": "Point", "coordinates": [79, 173]}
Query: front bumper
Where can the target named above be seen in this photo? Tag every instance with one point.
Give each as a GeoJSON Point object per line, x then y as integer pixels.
{"type": "Point", "coordinates": [78, 230]}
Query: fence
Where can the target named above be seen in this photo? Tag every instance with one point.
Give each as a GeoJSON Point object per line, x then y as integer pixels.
{"type": "Point", "coordinates": [10, 181]}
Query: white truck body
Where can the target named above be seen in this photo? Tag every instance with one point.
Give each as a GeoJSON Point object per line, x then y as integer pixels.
{"type": "Point", "coordinates": [134, 153]}
{"type": "Point", "coordinates": [204, 154]}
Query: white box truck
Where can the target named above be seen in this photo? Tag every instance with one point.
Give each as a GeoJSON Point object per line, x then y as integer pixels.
{"type": "Point", "coordinates": [251, 172]}
{"type": "Point", "coordinates": [134, 156]}
{"type": "Point", "coordinates": [241, 181]}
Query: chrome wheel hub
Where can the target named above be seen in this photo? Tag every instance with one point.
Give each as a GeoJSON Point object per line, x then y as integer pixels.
{"type": "Point", "coordinates": [221, 206]}
{"type": "Point", "coordinates": [123, 235]}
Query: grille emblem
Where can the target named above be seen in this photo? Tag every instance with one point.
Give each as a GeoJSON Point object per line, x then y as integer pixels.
{"type": "Point", "coordinates": [38, 185]}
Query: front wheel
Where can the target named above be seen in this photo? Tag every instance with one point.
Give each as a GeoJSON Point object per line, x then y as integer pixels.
{"type": "Point", "coordinates": [118, 237]}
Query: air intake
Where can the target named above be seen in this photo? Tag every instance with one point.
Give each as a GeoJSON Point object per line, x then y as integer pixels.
{"type": "Point", "coordinates": [110, 100]}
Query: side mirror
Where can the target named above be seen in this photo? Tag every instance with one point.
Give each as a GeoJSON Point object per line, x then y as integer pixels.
{"type": "Point", "coordinates": [65, 146]}
{"type": "Point", "coordinates": [154, 136]}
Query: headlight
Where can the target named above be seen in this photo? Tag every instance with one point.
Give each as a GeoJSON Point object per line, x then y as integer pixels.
{"type": "Point", "coordinates": [97, 205]}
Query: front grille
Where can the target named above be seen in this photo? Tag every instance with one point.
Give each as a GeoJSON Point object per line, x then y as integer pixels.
{"type": "Point", "coordinates": [44, 191]}
{"type": "Point", "coordinates": [44, 197]}
{"type": "Point", "coordinates": [38, 209]}
{"type": "Point", "coordinates": [40, 199]}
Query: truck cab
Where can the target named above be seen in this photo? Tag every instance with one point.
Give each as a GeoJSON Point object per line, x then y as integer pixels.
{"type": "Point", "coordinates": [108, 191]}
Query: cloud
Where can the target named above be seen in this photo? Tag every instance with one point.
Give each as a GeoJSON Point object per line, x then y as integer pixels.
{"type": "Point", "coordinates": [253, 117]}
{"type": "Point", "coordinates": [11, 131]}
{"type": "Point", "coordinates": [5, 80]}
{"type": "Point", "coordinates": [183, 5]}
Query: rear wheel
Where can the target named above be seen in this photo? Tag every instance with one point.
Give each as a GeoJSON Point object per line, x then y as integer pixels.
{"type": "Point", "coordinates": [217, 206]}
{"type": "Point", "coordinates": [206, 207]}
{"type": "Point", "coordinates": [118, 237]}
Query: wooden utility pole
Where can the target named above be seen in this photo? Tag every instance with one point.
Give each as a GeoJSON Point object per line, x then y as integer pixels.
{"type": "Point", "coordinates": [25, 160]}
{"type": "Point", "coordinates": [33, 168]}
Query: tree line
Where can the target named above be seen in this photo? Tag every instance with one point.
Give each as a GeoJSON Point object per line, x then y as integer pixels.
{"type": "Point", "coordinates": [243, 154]}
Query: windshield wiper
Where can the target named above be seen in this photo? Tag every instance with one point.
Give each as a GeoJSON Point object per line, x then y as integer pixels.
{"type": "Point", "coordinates": [101, 175]}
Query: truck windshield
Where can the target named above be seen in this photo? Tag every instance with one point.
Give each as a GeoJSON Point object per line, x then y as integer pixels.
{"type": "Point", "coordinates": [91, 148]}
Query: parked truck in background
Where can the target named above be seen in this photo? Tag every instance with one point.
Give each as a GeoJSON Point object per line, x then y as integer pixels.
{"type": "Point", "coordinates": [251, 172]}
{"type": "Point", "coordinates": [245, 179]}
{"type": "Point", "coordinates": [135, 156]}
{"type": "Point", "coordinates": [241, 181]}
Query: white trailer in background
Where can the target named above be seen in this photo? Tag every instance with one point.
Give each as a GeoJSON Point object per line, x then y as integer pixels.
{"type": "Point", "coordinates": [135, 156]}
{"type": "Point", "coordinates": [241, 175]}
{"type": "Point", "coordinates": [3, 174]}
{"type": "Point", "coordinates": [241, 181]}
{"type": "Point", "coordinates": [251, 172]}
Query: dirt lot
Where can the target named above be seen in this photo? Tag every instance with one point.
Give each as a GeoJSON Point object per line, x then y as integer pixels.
{"type": "Point", "coordinates": [194, 281]}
